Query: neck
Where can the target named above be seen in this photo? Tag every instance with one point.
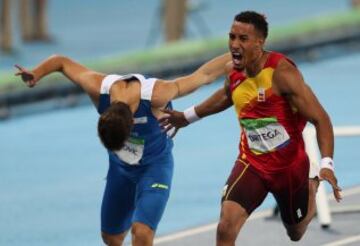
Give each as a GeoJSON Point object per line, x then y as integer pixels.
{"type": "Point", "coordinates": [118, 92]}
{"type": "Point", "coordinates": [256, 64]}
{"type": "Point", "coordinates": [128, 93]}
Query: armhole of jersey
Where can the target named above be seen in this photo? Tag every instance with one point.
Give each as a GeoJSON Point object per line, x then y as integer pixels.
{"type": "Point", "coordinates": [274, 59]}
{"type": "Point", "coordinates": [147, 86]}
{"type": "Point", "coordinates": [235, 78]}
{"type": "Point", "coordinates": [107, 82]}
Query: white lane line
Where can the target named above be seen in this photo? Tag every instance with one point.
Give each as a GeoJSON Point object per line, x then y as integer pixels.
{"type": "Point", "coordinates": [205, 228]}
{"type": "Point", "coordinates": [185, 233]}
{"type": "Point", "coordinates": [344, 241]}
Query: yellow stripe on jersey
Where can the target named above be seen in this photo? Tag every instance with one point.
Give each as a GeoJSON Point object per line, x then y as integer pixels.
{"type": "Point", "coordinates": [248, 90]}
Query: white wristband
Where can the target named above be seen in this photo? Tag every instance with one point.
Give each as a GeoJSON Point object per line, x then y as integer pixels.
{"type": "Point", "coordinates": [190, 115]}
{"type": "Point", "coordinates": [327, 162]}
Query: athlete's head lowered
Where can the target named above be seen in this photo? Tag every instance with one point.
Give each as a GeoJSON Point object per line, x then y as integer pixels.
{"type": "Point", "coordinates": [114, 125]}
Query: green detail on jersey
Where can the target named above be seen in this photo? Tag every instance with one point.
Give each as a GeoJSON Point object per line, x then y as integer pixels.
{"type": "Point", "coordinates": [135, 140]}
{"type": "Point", "coordinates": [257, 123]}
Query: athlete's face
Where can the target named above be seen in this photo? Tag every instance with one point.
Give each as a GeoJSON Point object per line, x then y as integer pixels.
{"type": "Point", "coordinates": [244, 44]}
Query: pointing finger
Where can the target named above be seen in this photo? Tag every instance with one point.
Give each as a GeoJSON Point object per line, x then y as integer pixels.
{"type": "Point", "coordinates": [19, 67]}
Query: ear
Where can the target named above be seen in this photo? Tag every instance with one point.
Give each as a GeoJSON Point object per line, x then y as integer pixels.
{"type": "Point", "coordinates": [261, 41]}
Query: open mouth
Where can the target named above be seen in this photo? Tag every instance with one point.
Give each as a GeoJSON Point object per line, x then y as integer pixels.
{"type": "Point", "coordinates": [237, 57]}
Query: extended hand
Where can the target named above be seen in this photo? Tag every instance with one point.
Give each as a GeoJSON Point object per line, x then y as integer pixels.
{"type": "Point", "coordinates": [328, 175]}
{"type": "Point", "coordinates": [27, 76]}
{"type": "Point", "coordinates": [172, 120]}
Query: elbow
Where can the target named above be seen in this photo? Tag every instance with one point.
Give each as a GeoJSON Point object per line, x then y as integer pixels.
{"type": "Point", "coordinates": [59, 60]}
{"type": "Point", "coordinates": [57, 57]}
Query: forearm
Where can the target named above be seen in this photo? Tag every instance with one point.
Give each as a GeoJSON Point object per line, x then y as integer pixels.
{"type": "Point", "coordinates": [213, 69]}
{"type": "Point", "coordinates": [52, 64]}
{"type": "Point", "coordinates": [216, 103]}
{"type": "Point", "coordinates": [325, 136]}
{"type": "Point", "coordinates": [206, 74]}
{"type": "Point", "coordinates": [71, 69]}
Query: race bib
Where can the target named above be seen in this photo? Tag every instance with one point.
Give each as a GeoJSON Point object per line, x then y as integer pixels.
{"type": "Point", "coordinates": [132, 151]}
{"type": "Point", "coordinates": [264, 135]}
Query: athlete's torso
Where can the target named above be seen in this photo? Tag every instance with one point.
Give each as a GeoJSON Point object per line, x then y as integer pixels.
{"type": "Point", "coordinates": [147, 143]}
{"type": "Point", "coordinates": [271, 128]}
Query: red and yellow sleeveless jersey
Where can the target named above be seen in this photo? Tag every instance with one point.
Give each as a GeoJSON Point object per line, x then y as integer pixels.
{"type": "Point", "coordinates": [271, 136]}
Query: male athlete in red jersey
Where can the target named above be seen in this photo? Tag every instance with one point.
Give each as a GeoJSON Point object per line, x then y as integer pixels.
{"type": "Point", "coordinates": [273, 104]}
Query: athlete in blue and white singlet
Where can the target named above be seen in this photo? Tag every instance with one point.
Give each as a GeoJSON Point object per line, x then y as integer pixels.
{"type": "Point", "coordinates": [139, 177]}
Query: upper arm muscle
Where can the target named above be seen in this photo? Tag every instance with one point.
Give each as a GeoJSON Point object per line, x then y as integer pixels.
{"type": "Point", "coordinates": [88, 80]}
{"type": "Point", "coordinates": [163, 92]}
{"type": "Point", "coordinates": [288, 81]}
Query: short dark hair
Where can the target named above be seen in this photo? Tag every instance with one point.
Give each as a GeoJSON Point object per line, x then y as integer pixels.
{"type": "Point", "coordinates": [114, 125]}
{"type": "Point", "coordinates": [256, 19]}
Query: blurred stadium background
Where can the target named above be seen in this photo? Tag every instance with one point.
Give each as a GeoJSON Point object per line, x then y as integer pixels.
{"type": "Point", "coordinates": [52, 166]}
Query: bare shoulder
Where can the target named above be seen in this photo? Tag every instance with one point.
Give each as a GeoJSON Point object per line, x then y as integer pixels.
{"type": "Point", "coordinates": [287, 77]}
{"type": "Point", "coordinates": [91, 81]}
{"type": "Point", "coordinates": [94, 77]}
{"type": "Point", "coordinates": [159, 86]}
{"type": "Point", "coordinates": [163, 92]}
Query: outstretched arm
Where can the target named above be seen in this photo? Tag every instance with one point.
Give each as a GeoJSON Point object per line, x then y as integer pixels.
{"type": "Point", "coordinates": [206, 74]}
{"type": "Point", "coordinates": [288, 81]}
{"type": "Point", "coordinates": [167, 90]}
{"type": "Point", "coordinates": [87, 79]}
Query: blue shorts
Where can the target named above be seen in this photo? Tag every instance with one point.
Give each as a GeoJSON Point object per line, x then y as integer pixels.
{"type": "Point", "coordinates": [136, 194]}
